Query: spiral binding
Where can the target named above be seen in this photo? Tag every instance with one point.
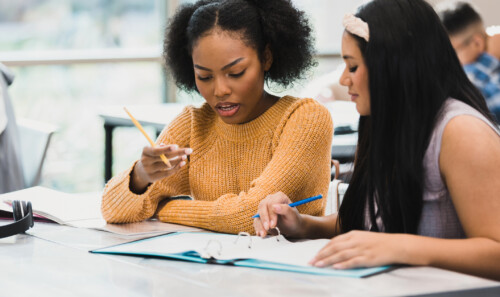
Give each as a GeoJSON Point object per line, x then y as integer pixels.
{"type": "Point", "coordinates": [279, 234]}
{"type": "Point", "coordinates": [244, 234]}
{"type": "Point", "coordinates": [208, 250]}
{"type": "Point", "coordinates": [219, 251]}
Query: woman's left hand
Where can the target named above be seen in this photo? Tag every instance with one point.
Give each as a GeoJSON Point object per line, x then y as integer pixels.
{"type": "Point", "coordinates": [360, 249]}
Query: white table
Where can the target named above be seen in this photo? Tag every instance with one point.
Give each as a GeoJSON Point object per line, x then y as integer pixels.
{"type": "Point", "coordinates": [53, 260]}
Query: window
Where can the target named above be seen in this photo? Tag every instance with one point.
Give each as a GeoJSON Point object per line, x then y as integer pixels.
{"type": "Point", "coordinates": [64, 56]}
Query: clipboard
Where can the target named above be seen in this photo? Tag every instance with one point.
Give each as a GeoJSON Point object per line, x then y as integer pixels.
{"type": "Point", "coordinates": [242, 250]}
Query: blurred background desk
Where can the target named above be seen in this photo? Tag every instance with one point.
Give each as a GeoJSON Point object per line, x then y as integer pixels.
{"type": "Point", "coordinates": [53, 260]}
{"type": "Point", "coordinates": [344, 115]}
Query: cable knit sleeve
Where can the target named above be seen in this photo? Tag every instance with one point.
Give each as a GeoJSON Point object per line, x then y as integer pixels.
{"type": "Point", "coordinates": [299, 167]}
{"type": "Point", "coordinates": [120, 205]}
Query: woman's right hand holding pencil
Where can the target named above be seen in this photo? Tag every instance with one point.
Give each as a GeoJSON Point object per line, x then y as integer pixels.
{"type": "Point", "coordinates": [151, 167]}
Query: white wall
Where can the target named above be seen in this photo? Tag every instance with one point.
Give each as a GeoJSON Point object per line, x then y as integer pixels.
{"type": "Point", "coordinates": [488, 9]}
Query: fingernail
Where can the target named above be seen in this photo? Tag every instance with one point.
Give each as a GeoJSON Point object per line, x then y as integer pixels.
{"type": "Point", "coordinates": [337, 266]}
{"type": "Point", "coordinates": [266, 225]}
{"type": "Point", "coordinates": [182, 164]}
{"type": "Point", "coordinates": [319, 264]}
{"type": "Point", "coordinates": [184, 157]}
{"type": "Point", "coordinates": [188, 151]}
{"type": "Point", "coordinates": [271, 223]}
{"type": "Point", "coordinates": [175, 147]}
{"type": "Point", "coordinates": [276, 207]}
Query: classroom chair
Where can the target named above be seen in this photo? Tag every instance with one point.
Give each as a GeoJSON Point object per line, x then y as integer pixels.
{"type": "Point", "coordinates": [11, 175]}
{"type": "Point", "coordinates": [336, 190]}
{"type": "Point", "coordinates": [34, 138]}
{"type": "Point", "coordinates": [336, 193]}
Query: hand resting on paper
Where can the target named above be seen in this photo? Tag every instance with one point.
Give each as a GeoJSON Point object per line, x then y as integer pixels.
{"type": "Point", "coordinates": [151, 167]}
{"type": "Point", "coordinates": [361, 249]}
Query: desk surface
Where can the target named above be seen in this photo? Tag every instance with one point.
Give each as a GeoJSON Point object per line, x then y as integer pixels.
{"type": "Point", "coordinates": [53, 260]}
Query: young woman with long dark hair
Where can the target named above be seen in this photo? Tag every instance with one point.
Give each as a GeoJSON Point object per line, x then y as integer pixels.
{"type": "Point", "coordinates": [426, 183]}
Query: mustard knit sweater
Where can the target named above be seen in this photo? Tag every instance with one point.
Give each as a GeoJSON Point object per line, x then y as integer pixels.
{"type": "Point", "coordinates": [233, 167]}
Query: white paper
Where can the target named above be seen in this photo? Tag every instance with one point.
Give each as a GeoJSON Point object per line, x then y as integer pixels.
{"type": "Point", "coordinates": [82, 211]}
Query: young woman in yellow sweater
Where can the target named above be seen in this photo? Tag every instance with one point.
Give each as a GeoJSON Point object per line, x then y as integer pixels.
{"type": "Point", "coordinates": [243, 143]}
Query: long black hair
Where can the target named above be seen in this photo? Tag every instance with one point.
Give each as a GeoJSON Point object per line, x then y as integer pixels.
{"type": "Point", "coordinates": [275, 24]}
{"type": "Point", "coordinates": [412, 69]}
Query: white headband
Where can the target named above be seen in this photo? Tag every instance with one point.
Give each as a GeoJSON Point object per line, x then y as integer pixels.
{"type": "Point", "coordinates": [356, 26]}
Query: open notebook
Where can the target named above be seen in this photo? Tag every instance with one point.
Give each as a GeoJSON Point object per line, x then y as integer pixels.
{"type": "Point", "coordinates": [81, 210]}
{"type": "Point", "coordinates": [239, 250]}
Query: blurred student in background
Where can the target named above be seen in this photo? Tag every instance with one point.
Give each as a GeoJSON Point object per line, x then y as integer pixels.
{"type": "Point", "coordinates": [478, 51]}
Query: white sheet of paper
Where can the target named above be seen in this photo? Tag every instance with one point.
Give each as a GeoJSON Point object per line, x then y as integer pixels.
{"type": "Point", "coordinates": [83, 211]}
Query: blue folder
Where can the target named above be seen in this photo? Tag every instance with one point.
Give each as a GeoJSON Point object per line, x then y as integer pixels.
{"type": "Point", "coordinates": [169, 246]}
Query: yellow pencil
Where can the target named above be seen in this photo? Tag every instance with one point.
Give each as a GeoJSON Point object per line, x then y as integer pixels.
{"type": "Point", "coordinates": [139, 126]}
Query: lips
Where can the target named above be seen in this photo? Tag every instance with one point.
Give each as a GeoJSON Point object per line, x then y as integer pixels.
{"type": "Point", "coordinates": [227, 109]}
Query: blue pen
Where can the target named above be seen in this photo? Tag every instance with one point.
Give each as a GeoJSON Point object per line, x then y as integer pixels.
{"type": "Point", "coordinates": [293, 204]}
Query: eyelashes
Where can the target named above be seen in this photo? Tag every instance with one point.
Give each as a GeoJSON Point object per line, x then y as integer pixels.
{"type": "Point", "coordinates": [353, 69]}
{"type": "Point", "coordinates": [204, 78]}
{"type": "Point", "coordinates": [233, 75]}
{"type": "Point", "coordinates": [237, 74]}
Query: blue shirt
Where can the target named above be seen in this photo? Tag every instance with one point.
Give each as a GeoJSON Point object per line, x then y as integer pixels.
{"type": "Point", "coordinates": [484, 73]}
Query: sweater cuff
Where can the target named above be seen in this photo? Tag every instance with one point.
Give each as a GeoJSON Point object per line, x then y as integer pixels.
{"type": "Point", "coordinates": [122, 205]}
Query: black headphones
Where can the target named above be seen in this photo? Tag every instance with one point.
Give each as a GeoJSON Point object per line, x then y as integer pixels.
{"type": "Point", "coordinates": [23, 217]}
